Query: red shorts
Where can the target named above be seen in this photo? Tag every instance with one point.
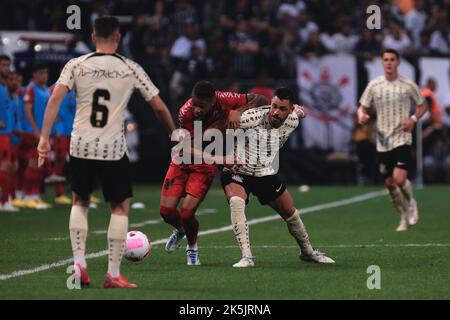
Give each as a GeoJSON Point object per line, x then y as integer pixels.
{"type": "Point", "coordinates": [61, 146]}
{"type": "Point", "coordinates": [5, 147]}
{"type": "Point", "coordinates": [28, 146]}
{"type": "Point", "coordinates": [193, 179]}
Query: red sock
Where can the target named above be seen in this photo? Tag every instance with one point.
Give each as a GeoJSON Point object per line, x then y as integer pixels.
{"type": "Point", "coordinates": [32, 180]}
{"type": "Point", "coordinates": [4, 186]}
{"type": "Point", "coordinates": [190, 225]}
{"type": "Point", "coordinates": [170, 216]}
{"type": "Point", "coordinates": [12, 185]}
{"type": "Point", "coordinates": [20, 176]}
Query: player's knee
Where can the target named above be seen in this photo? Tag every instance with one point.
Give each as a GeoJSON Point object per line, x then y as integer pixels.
{"type": "Point", "coordinates": [400, 180]}
{"type": "Point", "coordinates": [389, 183]}
{"type": "Point", "coordinates": [120, 209]}
{"type": "Point", "coordinates": [166, 212]}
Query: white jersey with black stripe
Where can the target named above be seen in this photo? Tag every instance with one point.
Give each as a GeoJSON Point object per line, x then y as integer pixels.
{"type": "Point", "coordinates": [262, 142]}
{"type": "Point", "coordinates": [392, 101]}
{"type": "Point", "coordinates": [103, 84]}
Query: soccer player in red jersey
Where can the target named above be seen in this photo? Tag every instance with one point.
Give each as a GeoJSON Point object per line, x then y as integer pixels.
{"type": "Point", "coordinates": [215, 109]}
{"type": "Point", "coordinates": [36, 97]}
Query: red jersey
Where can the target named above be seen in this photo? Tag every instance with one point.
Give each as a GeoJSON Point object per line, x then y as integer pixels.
{"type": "Point", "coordinates": [226, 101]}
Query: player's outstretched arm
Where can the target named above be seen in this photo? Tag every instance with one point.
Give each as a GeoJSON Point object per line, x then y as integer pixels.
{"type": "Point", "coordinates": [51, 111]}
{"type": "Point", "coordinates": [162, 113]}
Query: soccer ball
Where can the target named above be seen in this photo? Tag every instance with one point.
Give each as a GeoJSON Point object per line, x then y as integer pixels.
{"type": "Point", "coordinates": [137, 246]}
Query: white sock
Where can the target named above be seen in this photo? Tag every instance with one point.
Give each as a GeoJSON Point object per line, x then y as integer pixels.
{"type": "Point", "coordinates": [407, 191]}
{"type": "Point", "coordinates": [117, 234]}
{"type": "Point", "coordinates": [240, 225]}
{"type": "Point", "coordinates": [192, 247]}
{"type": "Point", "coordinates": [298, 231]}
{"type": "Point", "coordinates": [397, 200]}
{"type": "Point", "coordinates": [78, 227]}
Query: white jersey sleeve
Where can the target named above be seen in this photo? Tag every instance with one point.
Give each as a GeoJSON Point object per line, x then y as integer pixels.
{"type": "Point", "coordinates": [367, 96]}
{"type": "Point", "coordinates": [67, 74]}
{"type": "Point", "coordinates": [142, 81]}
{"type": "Point", "coordinates": [415, 93]}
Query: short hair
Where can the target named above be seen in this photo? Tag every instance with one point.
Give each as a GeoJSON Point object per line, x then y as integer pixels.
{"type": "Point", "coordinates": [12, 73]}
{"type": "Point", "coordinates": [390, 50]}
{"type": "Point", "coordinates": [105, 26]}
{"type": "Point", "coordinates": [38, 66]}
{"type": "Point", "coordinates": [4, 57]}
{"type": "Point", "coordinates": [203, 90]}
{"type": "Point", "coordinates": [284, 93]}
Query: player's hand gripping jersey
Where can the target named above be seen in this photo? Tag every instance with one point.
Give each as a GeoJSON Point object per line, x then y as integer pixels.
{"type": "Point", "coordinates": [226, 101]}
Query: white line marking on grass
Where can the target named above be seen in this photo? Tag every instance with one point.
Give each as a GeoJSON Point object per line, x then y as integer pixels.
{"type": "Point", "coordinates": [390, 245]}
{"type": "Point", "coordinates": [315, 208]}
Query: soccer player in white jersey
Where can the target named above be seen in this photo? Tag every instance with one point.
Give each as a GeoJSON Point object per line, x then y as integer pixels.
{"type": "Point", "coordinates": [278, 121]}
{"type": "Point", "coordinates": [104, 82]}
{"type": "Point", "coordinates": [391, 96]}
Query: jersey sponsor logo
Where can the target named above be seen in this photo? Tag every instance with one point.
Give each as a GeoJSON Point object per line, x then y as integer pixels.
{"type": "Point", "coordinates": [104, 74]}
{"type": "Point", "coordinates": [168, 183]}
{"type": "Point", "coordinates": [400, 163]}
{"type": "Point", "coordinates": [279, 188]}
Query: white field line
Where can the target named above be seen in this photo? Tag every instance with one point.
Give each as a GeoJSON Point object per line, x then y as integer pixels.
{"type": "Point", "coordinates": [102, 253]}
{"type": "Point", "coordinates": [372, 245]}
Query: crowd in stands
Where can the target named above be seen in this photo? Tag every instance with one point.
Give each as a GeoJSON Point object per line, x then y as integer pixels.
{"type": "Point", "coordinates": [241, 44]}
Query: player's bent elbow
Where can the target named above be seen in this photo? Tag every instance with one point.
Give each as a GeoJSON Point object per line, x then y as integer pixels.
{"type": "Point", "coordinates": [157, 104]}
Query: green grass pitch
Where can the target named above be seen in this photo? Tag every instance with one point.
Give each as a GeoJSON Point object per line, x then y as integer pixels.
{"type": "Point", "coordinates": [413, 264]}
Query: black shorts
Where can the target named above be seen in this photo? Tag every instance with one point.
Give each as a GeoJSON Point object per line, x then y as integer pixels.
{"type": "Point", "coordinates": [114, 177]}
{"type": "Point", "coordinates": [399, 157]}
{"type": "Point", "coordinates": [266, 188]}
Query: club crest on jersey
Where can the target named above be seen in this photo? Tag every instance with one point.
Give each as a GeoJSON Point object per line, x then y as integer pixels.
{"type": "Point", "coordinates": [168, 183]}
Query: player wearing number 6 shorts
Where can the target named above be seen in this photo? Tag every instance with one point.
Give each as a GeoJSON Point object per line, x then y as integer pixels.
{"type": "Point", "coordinates": [103, 82]}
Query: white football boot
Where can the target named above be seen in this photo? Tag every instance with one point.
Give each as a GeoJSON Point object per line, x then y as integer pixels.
{"type": "Point", "coordinates": [316, 256]}
{"type": "Point", "coordinates": [245, 262]}
{"type": "Point", "coordinates": [192, 257]}
{"type": "Point", "coordinates": [174, 241]}
{"type": "Point", "coordinates": [403, 225]}
{"type": "Point", "coordinates": [8, 207]}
